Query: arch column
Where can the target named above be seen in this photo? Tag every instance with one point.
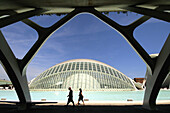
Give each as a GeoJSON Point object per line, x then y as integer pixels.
{"type": "Point", "coordinates": [157, 76]}
{"type": "Point", "coordinates": [16, 68]}
{"type": "Point", "coordinates": [8, 60]}
{"type": "Point", "coordinates": [161, 68]}
{"type": "Point", "coordinates": [157, 68]}
{"type": "Point", "coordinates": [11, 66]}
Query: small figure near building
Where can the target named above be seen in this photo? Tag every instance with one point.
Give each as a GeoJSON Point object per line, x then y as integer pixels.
{"type": "Point", "coordinates": [70, 97]}
{"type": "Point", "coordinates": [80, 97]}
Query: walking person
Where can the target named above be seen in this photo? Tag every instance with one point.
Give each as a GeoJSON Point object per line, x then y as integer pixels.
{"type": "Point", "coordinates": [80, 97]}
{"type": "Point", "coordinates": [70, 96]}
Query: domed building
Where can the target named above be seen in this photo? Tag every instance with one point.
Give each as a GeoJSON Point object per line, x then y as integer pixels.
{"type": "Point", "coordinates": [82, 73]}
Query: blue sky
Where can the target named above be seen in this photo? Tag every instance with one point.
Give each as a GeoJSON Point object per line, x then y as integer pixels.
{"type": "Point", "coordinates": [85, 36]}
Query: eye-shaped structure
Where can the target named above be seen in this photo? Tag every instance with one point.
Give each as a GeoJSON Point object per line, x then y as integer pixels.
{"type": "Point", "coordinates": [82, 73]}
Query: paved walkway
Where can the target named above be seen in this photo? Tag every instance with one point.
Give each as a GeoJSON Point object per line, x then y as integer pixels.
{"type": "Point", "coordinates": [9, 108]}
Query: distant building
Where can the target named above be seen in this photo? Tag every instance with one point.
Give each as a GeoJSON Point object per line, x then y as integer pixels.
{"type": "Point", "coordinates": [140, 80]}
{"type": "Point", "coordinates": [5, 84]}
{"type": "Point", "coordinates": [82, 73]}
{"type": "Point", "coordinates": [139, 83]}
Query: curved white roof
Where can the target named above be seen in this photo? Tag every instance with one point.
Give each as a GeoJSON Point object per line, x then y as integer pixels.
{"type": "Point", "coordinates": [82, 69]}
{"type": "Point", "coordinates": [85, 60]}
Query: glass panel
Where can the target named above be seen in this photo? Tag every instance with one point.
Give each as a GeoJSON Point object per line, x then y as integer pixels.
{"type": "Point", "coordinates": [98, 68]}
{"type": "Point", "coordinates": [94, 67]}
{"type": "Point", "coordinates": [46, 73]}
{"type": "Point", "coordinates": [77, 66]}
{"type": "Point", "coordinates": [57, 69]}
{"type": "Point", "coordinates": [110, 71]}
{"type": "Point", "coordinates": [90, 66]}
{"type": "Point", "coordinates": [81, 66]}
{"type": "Point", "coordinates": [49, 72]}
{"type": "Point", "coordinates": [122, 76]}
{"type": "Point", "coordinates": [102, 69]}
{"type": "Point", "coordinates": [126, 79]}
{"type": "Point", "coordinates": [119, 75]}
{"type": "Point", "coordinates": [115, 73]}
{"type": "Point", "coordinates": [69, 66]}
{"type": "Point", "coordinates": [73, 66]}
{"type": "Point", "coordinates": [65, 67]}
{"type": "Point", "coordinates": [85, 68]}
{"type": "Point", "coordinates": [61, 67]}
{"type": "Point", "coordinates": [53, 70]}
{"type": "Point", "coordinates": [106, 70]}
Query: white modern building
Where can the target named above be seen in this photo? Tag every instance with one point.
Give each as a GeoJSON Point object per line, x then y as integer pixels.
{"type": "Point", "coordinates": [82, 73]}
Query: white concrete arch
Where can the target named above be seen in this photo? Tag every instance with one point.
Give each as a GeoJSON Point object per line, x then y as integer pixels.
{"type": "Point", "coordinates": [158, 68]}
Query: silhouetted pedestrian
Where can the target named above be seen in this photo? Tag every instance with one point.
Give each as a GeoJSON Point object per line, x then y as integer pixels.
{"type": "Point", "coordinates": [70, 97]}
{"type": "Point", "coordinates": [80, 97]}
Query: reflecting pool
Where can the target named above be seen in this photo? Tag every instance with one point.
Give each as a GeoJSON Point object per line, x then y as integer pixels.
{"type": "Point", "coordinates": [91, 95]}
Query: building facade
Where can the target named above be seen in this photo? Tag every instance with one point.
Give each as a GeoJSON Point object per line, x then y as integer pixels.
{"type": "Point", "coordinates": [82, 73]}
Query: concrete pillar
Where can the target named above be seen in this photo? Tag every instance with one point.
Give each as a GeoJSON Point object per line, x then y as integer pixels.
{"type": "Point", "coordinates": [16, 68]}
{"type": "Point", "coordinates": [157, 73]}
{"type": "Point", "coordinates": [157, 68]}
{"type": "Point", "coordinates": [10, 63]}
{"type": "Point", "coordinates": [157, 76]}
{"type": "Point", "coordinates": [11, 66]}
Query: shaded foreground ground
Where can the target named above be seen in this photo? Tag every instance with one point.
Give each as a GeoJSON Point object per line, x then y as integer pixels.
{"type": "Point", "coordinates": [8, 108]}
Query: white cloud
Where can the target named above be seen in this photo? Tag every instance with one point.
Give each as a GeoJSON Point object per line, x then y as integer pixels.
{"type": "Point", "coordinates": [76, 28]}
{"type": "Point", "coordinates": [54, 45]}
{"type": "Point", "coordinates": [19, 38]}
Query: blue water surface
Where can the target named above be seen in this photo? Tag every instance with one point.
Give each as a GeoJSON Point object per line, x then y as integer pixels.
{"type": "Point", "coordinates": [91, 95]}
